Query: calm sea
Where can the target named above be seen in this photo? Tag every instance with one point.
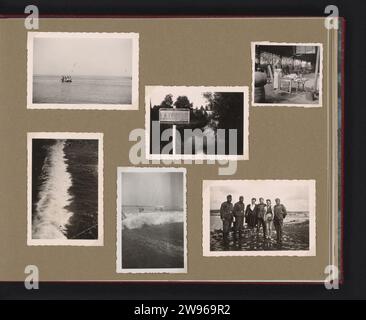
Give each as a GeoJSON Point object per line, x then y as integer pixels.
{"type": "Point", "coordinates": [82, 90]}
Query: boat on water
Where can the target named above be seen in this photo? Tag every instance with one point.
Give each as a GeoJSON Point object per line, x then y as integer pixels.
{"type": "Point", "coordinates": [66, 79]}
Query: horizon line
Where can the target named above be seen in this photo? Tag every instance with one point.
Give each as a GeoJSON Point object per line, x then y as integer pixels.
{"type": "Point", "coordinates": [82, 75]}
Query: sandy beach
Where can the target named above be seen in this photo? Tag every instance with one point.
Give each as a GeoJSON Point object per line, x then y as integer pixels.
{"type": "Point", "coordinates": [153, 246]}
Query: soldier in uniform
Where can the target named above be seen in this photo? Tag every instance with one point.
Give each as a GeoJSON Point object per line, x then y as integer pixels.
{"type": "Point", "coordinates": [226, 215]}
{"type": "Point", "coordinates": [280, 213]}
{"type": "Point", "coordinates": [238, 214]}
{"type": "Point", "coordinates": [261, 211]}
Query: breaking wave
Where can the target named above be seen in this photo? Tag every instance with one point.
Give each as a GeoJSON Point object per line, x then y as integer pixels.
{"type": "Point", "coordinates": [51, 214]}
{"type": "Point", "coordinates": [140, 219]}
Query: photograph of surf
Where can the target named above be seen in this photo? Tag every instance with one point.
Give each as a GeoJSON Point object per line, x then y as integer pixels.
{"type": "Point", "coordinates": [151, 220]}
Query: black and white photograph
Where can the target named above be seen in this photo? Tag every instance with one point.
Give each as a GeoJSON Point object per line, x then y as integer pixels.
{"type": "Point", "coordinates": [65, 189]}
{"type": "Point", "coordinates": [151, 220]}
{"type": "Point", "coordinates": [197, 123]}
{"type": "Point", "coordinates": [259, 218]}
{"type": "Point", "coordinates": [72, 70]}
{"type": "Point", "coordinates": [287, 74]}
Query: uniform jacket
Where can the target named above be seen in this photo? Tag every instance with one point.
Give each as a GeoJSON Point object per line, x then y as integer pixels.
{"type": "Point", "coordinates": [239, 209]}
{"type": "Point", "coordinates": [279, 212]}
{"type": "Point", "coordinates": [226, 210]}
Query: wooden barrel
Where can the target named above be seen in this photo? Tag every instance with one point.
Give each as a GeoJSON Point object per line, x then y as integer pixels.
{"type": "Point", "coordinates": [260, 80]}
{"type": "Point", "coordinates": [259, 95]}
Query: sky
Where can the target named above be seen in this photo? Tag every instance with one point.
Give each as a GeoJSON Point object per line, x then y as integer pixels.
{"type": "Point", "coordinates": [152, 189]}
{"type": "Point", "coordinates": [194, 95]}
{"type": "Point", "coordinates": [82, 56]}
{"type": "Point", "coordinates": [294, 195]}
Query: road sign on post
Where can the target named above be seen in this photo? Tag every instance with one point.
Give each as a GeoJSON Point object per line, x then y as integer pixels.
{"type": "Point", "coordinates": [174, 115]}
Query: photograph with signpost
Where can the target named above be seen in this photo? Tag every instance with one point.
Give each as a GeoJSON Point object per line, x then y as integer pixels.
{"type": "Point", "coordinates": [287, 74]}
{"type": "Point", "coordinates": [197, 123]}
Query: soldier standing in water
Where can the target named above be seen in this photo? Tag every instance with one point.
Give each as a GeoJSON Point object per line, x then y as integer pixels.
{"type": "Point", "coordinates": [226, 215]}
{"type": "Point", "coordinates": [280, 213]}
{"type": "Point", "coordinates": [239, 217]}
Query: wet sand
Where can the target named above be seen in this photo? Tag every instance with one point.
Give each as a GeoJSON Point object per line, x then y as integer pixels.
{"type": "Point", "coordinates": [295, 237]}
{"type": "Point", "coordinates": [153, 246]}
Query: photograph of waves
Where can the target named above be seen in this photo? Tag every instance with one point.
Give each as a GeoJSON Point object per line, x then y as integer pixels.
{"type": "Point", "coordinates": [152, 221]}
{"type": "Point", "coordinates": [64, 197]}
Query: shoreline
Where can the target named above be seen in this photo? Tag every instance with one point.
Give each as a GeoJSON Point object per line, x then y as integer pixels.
{"type": "Point", "coordinates": [295, 237]}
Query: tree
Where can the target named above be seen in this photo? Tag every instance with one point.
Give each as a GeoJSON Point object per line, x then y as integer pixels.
{"type": "Point", "coordinates": [183, 102]}
{"type": "Point", "coordinates": [227, 110]}
{"type": "Point", "coordinates": [167, 102]}
{"type": "Point", "coordinates": [209, 96]}
{"type": "Point", "coordinates": [155, 113]}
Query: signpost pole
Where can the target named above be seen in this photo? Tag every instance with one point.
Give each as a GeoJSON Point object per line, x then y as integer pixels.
{"type": "Point", "coordinates": [174, 116]}
{"type": "Point", "coordinates": [174, 135]}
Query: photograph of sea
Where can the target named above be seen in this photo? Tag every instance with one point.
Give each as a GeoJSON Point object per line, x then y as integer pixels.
{"type": "Point", "coordinates": [259, 217]}
{"type": "Point", "coordinates": [90, 89]}
{"type": "Point", "coordinates": [64, 190]}
{"type": "Point", "coordinates": [151, 217]}
{"type": "Point", "coordinates": [82, 70]}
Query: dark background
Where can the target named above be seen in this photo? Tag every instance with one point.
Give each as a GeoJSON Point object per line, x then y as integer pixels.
{"type": "Point", "coordinates": [354, 228]}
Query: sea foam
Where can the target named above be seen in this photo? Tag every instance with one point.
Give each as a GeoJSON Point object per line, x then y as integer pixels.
{"type": "Point", "coordinates": [139, 219]}
{"type": "Point", "coordinates": [51, 213]}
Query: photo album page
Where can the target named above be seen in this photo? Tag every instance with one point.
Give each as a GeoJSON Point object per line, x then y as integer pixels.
{"type": "Point", "coordinates": [170, 149]}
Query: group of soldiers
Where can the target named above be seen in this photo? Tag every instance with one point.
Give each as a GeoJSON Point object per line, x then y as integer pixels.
{"type": "Point", "coordinates": [256, 215]}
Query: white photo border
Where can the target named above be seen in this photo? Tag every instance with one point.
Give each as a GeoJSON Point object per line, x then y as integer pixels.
{"type": "Point", "coordinates": [270, 43]}
{"type": "Point", "coordinates": [120, 171]}
{"type": "Point", "coordinates": [72, 106]}
{"type": "Point", "coordinates": [65, 135]}
{"type": "Point", "coordinates": [159, 157]}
